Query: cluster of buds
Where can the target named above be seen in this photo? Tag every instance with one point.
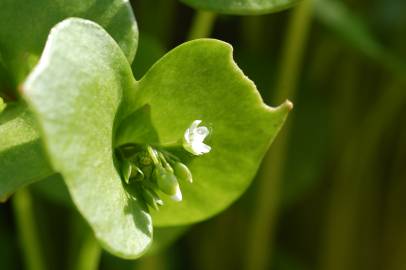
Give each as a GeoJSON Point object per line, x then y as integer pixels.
{"type": "Point", "coordinates": [155, 170]}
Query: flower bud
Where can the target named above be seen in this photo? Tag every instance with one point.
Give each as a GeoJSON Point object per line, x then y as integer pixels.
{"type": "Point", "coordinates": [182, 172]}
{"type": "Point", "coordinates": [177, 197]}
{"type": "Point", "coordinates": [126, 170]}
{"type": "Point", "coordinates": [151, 199]}
{"type": "Point", "coordinates": [136, 173]}
{"type": "Point", "coordinates": [145, 159]}
{"type": "Point", "coordinates": [166, 181]}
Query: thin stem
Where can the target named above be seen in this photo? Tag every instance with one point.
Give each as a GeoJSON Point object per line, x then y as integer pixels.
{"type": "Point", "coordinates": [267, 203]}
{"type": "Point", "coordinates": [202, 25]}
{"type": "Point", "coordinates": [252, 33]}
{"type": "Point", "coordinates": [27, 230]}
{"type": "Point", "coordinates": [294, 47]}
{"type": "Point", "coordinates": [153, 155]}
{"type": "Point", "coordinates": [152, 262]}
{"type": "Point", "coordinates": [84, 250]}
{"type": "Point", "coordinates": [89, 254]}
{"type": "Point", "coordinates": [349, 186]}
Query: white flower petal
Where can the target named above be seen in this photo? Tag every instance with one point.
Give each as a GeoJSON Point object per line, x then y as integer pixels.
{"type": "Point", "coordinates": [178, 195]}
{"type": "Point", "coordinates": [194, 137]}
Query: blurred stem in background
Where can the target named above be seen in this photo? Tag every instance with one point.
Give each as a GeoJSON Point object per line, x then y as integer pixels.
{"type": "Point", "coordinates": [27, 230]}
{"type": "Point", "coordinates": [252, 28]}
{"type": "Point", "coordinates": [353, 187]}
{"type": "Point", "coordinates": [153, 262]}
{"type": "Point", "coordinates": [266, 204]}
{"type": "Point", "coordinates": [202, 25]}
{"type": "Point", "coordinates": [394, 242]}
{"type": "Point", "coordinates": [84, 250]}
{"type": "Point", "coordinates": [89, 254]}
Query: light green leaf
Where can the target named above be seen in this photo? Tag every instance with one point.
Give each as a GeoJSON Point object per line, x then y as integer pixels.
{"type": "Point", "coordinates": [199, 80]}
{"type": "Point", "coordinates": [22, 159]}
{"type": "Point", "coordinates": [25, 24]}
{"type": "Point", "coordinates": [242, 7]}
{"type": "Point", "coordinates": [75, 92]}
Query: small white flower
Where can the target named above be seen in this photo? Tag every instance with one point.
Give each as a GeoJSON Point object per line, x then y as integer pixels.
{"type": "Point", "coordinates": [194, 137]}
{"type": "Point", "coordinates": [177, 197]}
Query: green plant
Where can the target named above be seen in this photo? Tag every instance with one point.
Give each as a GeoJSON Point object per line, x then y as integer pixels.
{"type": "Point", "coordinates": [124, 147]}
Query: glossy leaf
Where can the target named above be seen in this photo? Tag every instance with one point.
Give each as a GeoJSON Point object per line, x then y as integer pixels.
{"type": "Point", "coordinates": [199, 80]}
{"type": "Point", "coordinates": [22, 159]}
{"type": "Point", "coordinates": [75, 92]}
{"type": "Point", "coordinates": [242, 7]}
{"type": "Point", "coordinates": [22, 39]}
{"type": "Point", "coordinates": [25, 24]}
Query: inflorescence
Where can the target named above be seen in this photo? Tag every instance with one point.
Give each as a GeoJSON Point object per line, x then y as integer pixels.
{"type": "Point", "coordinates": [154, 170]}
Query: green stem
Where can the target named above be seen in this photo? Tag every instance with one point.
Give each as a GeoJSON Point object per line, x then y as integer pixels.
{"type": "Point", "coordinates": [27, 230]}
{"type": "Point", "coordinates": [152, 262]}
{"type": "Point", "coordinates": [84, 250]}
{"type": "Point", "coordinates": [253, 34]}
{"type": "Point", "coordinates": [394, 233]}
{"type": "Point", "coordinates": [344, 217]}
{"type": "Point", "coordinates": [202, 25]}
{"type": "Point", "coordinates": [294, 47]}
{"type": "Point", "coordinates": [267, 203]}
{"type": "Point", "coordinates": [89, 254]}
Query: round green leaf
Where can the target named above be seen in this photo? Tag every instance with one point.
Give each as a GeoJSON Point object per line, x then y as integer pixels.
{"type": "Point", "coordinates": [75, 92]}
{"type": "Point", "coordinates": [25, 24]}
{"type": "Point", "coordinates": [199, 80]}
{"type": "Point", "coordinates": [241, 7]}
{"type": "Point", "coordinates": [22, 159]}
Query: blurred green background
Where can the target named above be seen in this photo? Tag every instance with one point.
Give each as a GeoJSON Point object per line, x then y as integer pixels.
{"type": "Point", "coordinates": [331, 193]}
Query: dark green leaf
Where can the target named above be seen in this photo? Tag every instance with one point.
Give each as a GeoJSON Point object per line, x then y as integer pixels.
{"type": "Point", "coordinates": [25, 25]}
{"type": "Point", "coordinates": [22, 159]}
{"type": "Point", "coordinates": [242, 7]}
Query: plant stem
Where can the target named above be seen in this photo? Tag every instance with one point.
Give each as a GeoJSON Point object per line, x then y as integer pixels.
{"type": "Point", "coordinates": [152, 262]}
{"type": "Point", "coordinates": [202, 25]}
{"type": "Point", "coordinates": [394, 236]}
{"type": "Point", "coordinates": [27, 230]}
{"type": "Point", "coordinates": [89, 254]}
{"type": "Point", "coordinates": [267, 203]}
{"type": "Point", "coordinates": [350, 187]}
{"type": "Point", "coordinates": [253, 34]}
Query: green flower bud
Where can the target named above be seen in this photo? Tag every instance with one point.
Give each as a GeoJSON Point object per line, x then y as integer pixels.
{"type": "Point", "coordinates": [126, 171]}
{"type": "Point", "coordinates": [151, 199]}
{"type": "Point", "coordinates": [145, 159]}
{"type": "Point", "coordinates": [182, 172]}
{"type": "Point", "coordinates": [136, 173]}
{"type": "Point", "coordinates": [166, 180]}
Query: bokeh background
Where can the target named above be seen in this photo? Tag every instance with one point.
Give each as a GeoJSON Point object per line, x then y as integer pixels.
{"type": "Point", "coordinates": [331, 192]}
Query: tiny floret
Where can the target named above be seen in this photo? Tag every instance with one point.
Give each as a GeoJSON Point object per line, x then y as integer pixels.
{"type": "Point", "coordinates": [177, 197]}
{"type": "Point", "coordinates": [194, 137]}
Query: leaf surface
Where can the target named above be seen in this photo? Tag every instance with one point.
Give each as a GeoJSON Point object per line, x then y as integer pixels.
{"type": "Point", "coordinates": [22, 158]}
{"type": "Point", "coordinates": [25, 25]}
{"type": "Point", "coordinates": [75, 92]}
{"type": "Point", "coordinates": [242, 7]}
{"type": "Point", "coordinates": [199, 80]}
